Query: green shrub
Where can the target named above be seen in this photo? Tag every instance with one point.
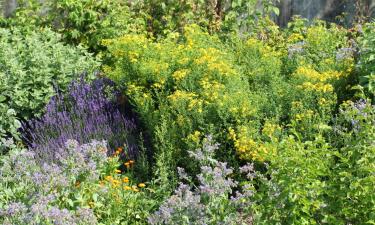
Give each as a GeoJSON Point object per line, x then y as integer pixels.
{"type": "Point", "coordinates": [188, 82]}
{"type": "Point", "coordinates": [82, 22]}
{"type": "Point", "coordinates": [367, 59]}
{"type": "Point", "coordinates": [328, 179]}
{"type": "Point", "coordinates": [31, 66]}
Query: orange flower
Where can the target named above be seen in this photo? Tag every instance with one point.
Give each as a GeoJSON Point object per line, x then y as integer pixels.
{"type": "Point", "coordinates": [131, 161]}
{"type": "Point", "coordinates": [127, 164]}
{"type": "Point", "coordinates": [141, 185]}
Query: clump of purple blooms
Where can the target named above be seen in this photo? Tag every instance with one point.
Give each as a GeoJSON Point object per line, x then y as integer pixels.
{"type": "Point", "coordinates": [355, 114]}
{"type": "Point", "coordinates": [212, 201]}
{"type": "Point", "coordinates": [87, 112]}
{"type": "Point", "coordinates": [37, 189]}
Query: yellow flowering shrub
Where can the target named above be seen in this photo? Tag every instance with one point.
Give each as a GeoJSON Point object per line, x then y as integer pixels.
{"type": "Point", "coordinates": [186, 85]}
{"type": "Point", "coordinates": [190, 79]}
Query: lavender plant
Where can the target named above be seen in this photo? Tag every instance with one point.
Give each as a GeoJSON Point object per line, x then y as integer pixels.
{"type": "Point", "coordinates": [88, 111]}
{"type": "Point", "coordinates": [210, 202]}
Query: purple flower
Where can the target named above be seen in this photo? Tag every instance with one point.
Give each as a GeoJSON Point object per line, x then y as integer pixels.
{"type": "Point", "coordinates": [86, 112]}
{"type": "Point", "coordinates": [13, 209]}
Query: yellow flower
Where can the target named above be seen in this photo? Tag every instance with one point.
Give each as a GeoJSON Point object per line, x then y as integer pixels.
{"type": "Point", "coordinates": [322, 101]}
{"type": "Point", "coordinates": [180, 74]}
{"type": "Point", "coordinates": [321, 87]}
{"type": "Point", "coordinates": [125, 179]}
{"type": "Point", "coordinates": [232, 134]}
{"type": "Point", "coordinates": [128, 188]}
{"type": "Point", "coordinates": [141, 185]}
{"type": "Point", "coordinates": [117, 171]}
{"type": "Point", "coordinates": [116, 183]}
{"type": "Point", "coordinates": [91, 204]}
{"type": "Point", "coordinates": [195, 136]}
{"type": "Point", "coordinates": [134, 188]}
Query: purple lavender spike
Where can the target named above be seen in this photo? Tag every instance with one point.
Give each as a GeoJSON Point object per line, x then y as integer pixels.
{"type": "Point", "coordinates": [83, 114]}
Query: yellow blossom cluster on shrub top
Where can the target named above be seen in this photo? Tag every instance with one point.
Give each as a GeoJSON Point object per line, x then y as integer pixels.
{"type": "Point", "coordinates": [194, 79]}
{"type": "Point", "coordinates": [197, 84]}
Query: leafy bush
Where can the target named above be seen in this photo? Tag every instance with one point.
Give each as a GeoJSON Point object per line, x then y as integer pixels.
{"type": "Point", "coordinates": [82, 22]}
{"type": "Point", "coordinates": [192, 86]}
{"type": "Point", "coordinates": [325, 180]}
{"type": "Point", "coordinates": [32, 64]}
{"type": "Point", "coordinates": [367, 59]}
{"type": "Point", "coordinates": [86, 112]}
{"type": "Point", "coordinates": [81, 186]}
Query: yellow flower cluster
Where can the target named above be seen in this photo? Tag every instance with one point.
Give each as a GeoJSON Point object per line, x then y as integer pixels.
{"type": "Point", "coordinates": [308, 114]}
{"type": "Point", "coordinates": [212, 58]}
{"type": "Point", "coordinates": [195, 137]}
{"type": "Point", "coordinates": [246, 147]}
{"type": "Point", "coordinates": [309, 73]}
{"type": "Point", "coordinates": [295, 37]}
{"type": "Point", "coordinates": [269, 129]}
{"type": "Point", "coordinates": [180, 74]}
{"type": "Point", "coordinates": [321, 87]}
{"type": "Point", "coordinates": [177, 95]}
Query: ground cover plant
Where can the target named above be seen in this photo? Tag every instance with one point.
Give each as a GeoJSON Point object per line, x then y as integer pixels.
{"type": "Point", "coordinates": [192, 112]}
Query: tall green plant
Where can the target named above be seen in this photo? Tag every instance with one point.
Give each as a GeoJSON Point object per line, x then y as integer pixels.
{"type": "Point", "coordinates": [366, 63]}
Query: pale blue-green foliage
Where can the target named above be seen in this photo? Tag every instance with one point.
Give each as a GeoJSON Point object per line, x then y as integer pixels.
{"type": "Point", "coordinates": [31, 65]}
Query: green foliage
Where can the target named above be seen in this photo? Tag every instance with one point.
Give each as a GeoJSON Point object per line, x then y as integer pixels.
{"type": "Point", "coordinates": [31, 65]}
{"type": "Point", "coordinates": [367, 59]}
{"type": "Point", "coordinates": [271, 96]}
{"type": "Point", "coordinates": [83, 22]}
{"type": "Point", "coordinates": [352, 193]}
{"type": "Point", "coordinates": [296, 188]}
{"type": "Point", "coordinates": [328, 179]}
{"type": "Point", "coordinates": [9, 122]}
{"type": "Point", "coordinates": [191, 85]}
{"type": "Point", "coordinates": [246, 15]}
{"type": "Point", "coordinates": [194, 86]}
